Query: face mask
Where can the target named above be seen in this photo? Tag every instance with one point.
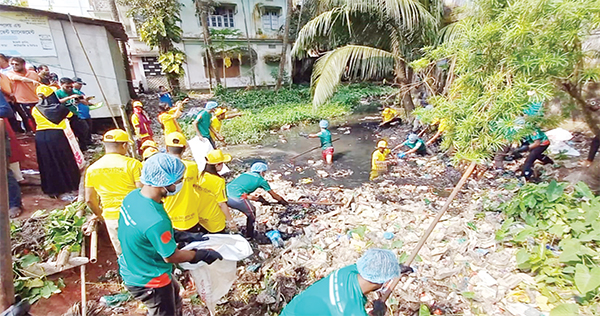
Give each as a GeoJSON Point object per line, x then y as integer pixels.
{"type": "Point", "coordinates": [178, 187]}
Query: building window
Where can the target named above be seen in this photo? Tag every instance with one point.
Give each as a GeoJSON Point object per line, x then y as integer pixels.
{"type": "Point", "coordinates": [233, 71]}
{"type": "Point", "coordinates": [270, 19]}
{"type": "Point", "coordinates": [272, 46]}
{"type": "Point", "coordinates": [222, 17]}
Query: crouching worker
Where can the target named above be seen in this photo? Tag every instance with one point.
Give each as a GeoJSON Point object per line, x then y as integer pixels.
{"type": "Point", "coordinates": [344, 291]}
{"type": "Point", "coordinates": [146, 235]}
{"type": "Point", "coordinates": [240, 192]}
{"type": "Point", "coordinates": [380, 160]}
{"type": "Point", "coordinates": [415, 144]}
{"type": "Point", "coordinates": [536, 144]}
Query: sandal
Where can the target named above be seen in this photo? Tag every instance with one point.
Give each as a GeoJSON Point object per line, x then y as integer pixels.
{"type": "Point", "coordinates": [14, 212]}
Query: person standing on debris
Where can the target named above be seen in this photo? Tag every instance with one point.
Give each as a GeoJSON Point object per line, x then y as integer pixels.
{"type": "Point", "coordinates": [183, 207]}
{"type": "Point", "coordinates": [165, 96]}
{"type": "Point", "coordinates": [110, 179]}
{"type": "Point", "coordinates": [58, 168]}
{"type": "Point", "coordinates": [83, 106]}
{"type": "Point", "coordinates": [24, 83]}
{"type": "Point", "coordinates": [15, 203]}
{"type": "Point", "coordinates": [147, 239]}
{"type": "Point", "coordinates": [67, 96]}
{"type": "Point", "coordinates": [240, 192]}
{"type": "Point", "coordinates": [536, 144]}
{"type": "Point", "coordinates": [214, 213]}
{"type": "Point", "coordinates": [380, 160]}
{"type": "Point", "coordinates": [216, 123]}
{"type": "Point", "coordinates": [415, 144]}
{"type": "Point", "coordinates": [326, 144]}
{"type": "Point", "coordinates": [388, 115]}
{"type": "Point", "coordinates": [141, 123]}
{"type": "Point", "coordinates": [344, 291]}
{"type": "Point", "coordinates": [203, 120]}
{"type": "Point", "coordinates": [168, 118]}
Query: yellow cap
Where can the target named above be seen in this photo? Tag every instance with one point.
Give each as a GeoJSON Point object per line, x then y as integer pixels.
{"type": "Point", "coordinates": [149, 152]}
{"type": "Point", "coordinates": [116, 136]}
{"type": "Point", "coordinates": [216, 156]}
{"type": "Point", "coordinates": [148, 143]}
{"type": "Point", "coordinates": [220, 111]}
{"type": "Point", "coordinates": [176, 139]}
{"type": "Point", "coordinates": [137, 103]}
{"type": "Point", "coordinates": [382, 144]}
{"type": "Point", "coordinates": [44, 90]}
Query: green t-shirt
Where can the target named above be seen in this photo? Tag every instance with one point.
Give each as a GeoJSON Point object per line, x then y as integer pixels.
{"type": "Point", "coordinates": [325, 137]}
{"type": "Point", "coordinates": [70, 104]}
{"type": "Point", "coordinates": [247, 183]}
{"type": "Point", "coordinates": [338, 294]}
{"type": "Point", "coordinates": [146, 236]}
{"type": "Point", "coordinates": [422, 147]}
{"type": "Point", "coordinates": [204, 123]}
{"type": "Point", "coordinates": [537, 135]}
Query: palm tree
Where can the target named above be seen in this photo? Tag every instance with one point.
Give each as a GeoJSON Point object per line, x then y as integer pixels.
{"type": "Point", "coordinates": [366, 39]}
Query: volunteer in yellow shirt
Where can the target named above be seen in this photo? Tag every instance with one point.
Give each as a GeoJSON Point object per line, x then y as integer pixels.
{"type": "Point", "coordinates": [380, 160]}
{"type": "Point", "coordinates": [216, 123]}
{"type": "Point", "coordinates": [110, 179]}
{"type": "Point", "coordinates": [148, 149]}
{"type": "Point", "coordinates": [388, 115]}
{"type": "Point", "coordinates": [442, 127]}
{"type": "Point", "coordinates": [214, 212]}
{"type": "Point", "coordinates": [168, 118]}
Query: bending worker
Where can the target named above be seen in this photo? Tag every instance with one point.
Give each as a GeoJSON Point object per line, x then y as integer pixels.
{"type": "Point", "coordinates": [240, 192]}
{"type": "Point", "coordinates": [388, 116]}
{"type": "Point", "coordinates": [202, 123]}
{"type": "Point", "coordinates": [344, 291]}
{"type": "Point", "coordinates": [147, 239]}
{"type": "Point", "coordinates": [168, 118]}
{"type": "Point", "coordinates": [216, 123]}
{"type": "Point", "coordinates": [110, 179]}
{"type": "Point", "coordinates": [415, 144]}
{"type": "Point", "coordinates": [380, 160]}
{"type": "Point", "coordinates": [536, 144]}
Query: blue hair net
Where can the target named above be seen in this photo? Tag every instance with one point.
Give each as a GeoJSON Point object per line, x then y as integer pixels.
{"type": "Point", "coordinates": [259, 167]}
{"type": "Point", "coordinates": [324, 124]}
{"type": "Point", "coordinates": [378, 266]}
{"type": "Point", "coordinates": [162, 170]}
{"type": "Point", "coordinates": [412, 138]}
{"type": "Point", "coordinates": [210, 105]}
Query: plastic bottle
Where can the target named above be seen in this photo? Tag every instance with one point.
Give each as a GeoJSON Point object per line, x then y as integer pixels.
{"type": "Point", "coordinates": [275, 237]}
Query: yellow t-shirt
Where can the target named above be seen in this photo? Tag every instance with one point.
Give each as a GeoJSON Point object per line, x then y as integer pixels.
{"type": "Point", "coordinates": [379, 156]}
{"type": "Point", "coordinates": [113, 176]}
{"type": "Point", "coordinates": [216, 124]}
{"type": "Point", "coordinates": [169, 122]}
{"type": "Point", "coordinates": [212, 192]}
{"type": "Point", "coordinates": [389, 114]}
{"type": "Point", "coordinates": [183, 207]}
{"type": "Point", "coordinates": [42, 123]}
{"type": "Point", "coordinates": [443, 124]}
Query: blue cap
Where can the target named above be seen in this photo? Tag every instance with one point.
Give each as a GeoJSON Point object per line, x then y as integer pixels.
{"type": "Point", "coordinates": [162, 170]}
{"type": "Point", "coordinates": [412, 138]}
{"type": "Point", "coordinates": [210, 105]}
{"type": "Point", "coordinates": [259, 167]}
{"type": "Point", "coordinates": [378, 266]}
{"type": "Point", "coordinates": [324, 124]}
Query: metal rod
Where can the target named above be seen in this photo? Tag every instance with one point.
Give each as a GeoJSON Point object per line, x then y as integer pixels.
{"type": "Point", "coordinates": [7, 290]}
{"type": "Point", "coordinates": [93, 72]}
{"type": "Point", "coordinates": [387, 290]}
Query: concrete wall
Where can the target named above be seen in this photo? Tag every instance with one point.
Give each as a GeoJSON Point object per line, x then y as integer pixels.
{"type": "Point", "coordinates": [105, 57]}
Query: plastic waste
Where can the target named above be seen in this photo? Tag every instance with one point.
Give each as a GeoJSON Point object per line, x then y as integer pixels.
{"type": "Point", "coordinates": [275, 237]}
{"type": "Point", "coordinates": [388, 235]}
{"type": "Point", "coordinates": [115, 300]}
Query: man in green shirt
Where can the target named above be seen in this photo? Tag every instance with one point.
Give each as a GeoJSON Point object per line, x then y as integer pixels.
{"type": "Point", "coordinates": [342, 293]}
{"type": "Point", "coordinates": [326, 144]}
{"type": "Point", "coordinates": [202, 122]}
{"type": "Point", "coordinates": [147, 238]}
{"type": "Point", "coordinates": [67, 96]}
{"type": "Point", "coordinates": [536, 144]}
{"type": "Point", "coordinates": [415, 144]}
{"type": "Point", "coordinates": [240, 190]}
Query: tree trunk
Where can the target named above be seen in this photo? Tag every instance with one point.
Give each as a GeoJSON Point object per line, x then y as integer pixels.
{"type": "Point", "coordinates": [404, 78]}
{"type": "Point", "coordinates": [223, 64]}
{"type": "Point", "coordinates": [286, 39]}
{"type": "Point", "coordinates": [203, 10]}
{"type": "Point", "coordinates": [248, 44]}
{"type": "Point", "coordinates": [588, 114]}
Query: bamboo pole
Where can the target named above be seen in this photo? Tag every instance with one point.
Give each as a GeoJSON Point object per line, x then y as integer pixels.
{"type": "Point", "coordinates": [94, 72]}
{"type": "Point", "coordinates": [386, 291]}
{"type": "Point", "coordinates": [306, 152]}
{"type": "Point", "coordinates": [94, 245]}
{"type": "Point", "coordinates": [83, 288]}
{"type": "Point", "coordinates": [7, 289]}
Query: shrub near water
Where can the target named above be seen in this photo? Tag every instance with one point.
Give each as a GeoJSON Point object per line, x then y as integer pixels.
{"type": "Point", "coordinates": [266, 109]}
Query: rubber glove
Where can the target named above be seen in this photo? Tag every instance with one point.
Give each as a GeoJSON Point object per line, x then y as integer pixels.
{"type": "Point", "coordinates": [401, 155]}
{"type": "Point", "coordinates": [207, 255]}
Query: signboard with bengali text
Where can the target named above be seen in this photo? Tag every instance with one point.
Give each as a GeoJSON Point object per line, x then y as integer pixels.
{"type": "Point", "coordinates": [25, 35]}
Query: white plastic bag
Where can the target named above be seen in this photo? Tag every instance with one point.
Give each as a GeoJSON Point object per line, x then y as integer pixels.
{"type": "Point", "coordinates": [558, 138]}
{"type": "Point", "coordinates": [79, 158]}
{"type": "Point", "coordinates": [214, 281]}
{"type": "Point", "coordinates": [200, 148]}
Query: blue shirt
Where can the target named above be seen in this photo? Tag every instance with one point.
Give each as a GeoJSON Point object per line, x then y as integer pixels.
{"type": "Point", "coordinates": [166, 98]}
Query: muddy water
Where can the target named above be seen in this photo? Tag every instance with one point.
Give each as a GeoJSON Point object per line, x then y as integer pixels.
{"type": "Point", "coordinates": [352, 158]}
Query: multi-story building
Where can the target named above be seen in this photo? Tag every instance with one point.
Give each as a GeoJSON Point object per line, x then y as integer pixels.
{"type": "Point", "coordinates": [263, 20]}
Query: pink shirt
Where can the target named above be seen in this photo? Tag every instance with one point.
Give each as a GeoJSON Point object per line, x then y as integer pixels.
{"type": "Point", "coordinates": [24, 92]}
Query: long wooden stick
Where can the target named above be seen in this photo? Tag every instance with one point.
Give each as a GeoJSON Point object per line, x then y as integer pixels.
{"type": "Point", "coordinates": [94, 245]}
{"type": "Point", "coordinates": [387, 290]}
{"type": "Point", "coordinates": [306, 152]}
{"type": "Point", "coordinates": [83, 289]}
{"type": "Point", "coordinates": [7, 290]}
